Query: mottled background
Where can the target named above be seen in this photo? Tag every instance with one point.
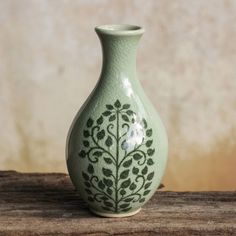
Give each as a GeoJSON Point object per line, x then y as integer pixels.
{"type": "Point", "coordinates": [50, 60]}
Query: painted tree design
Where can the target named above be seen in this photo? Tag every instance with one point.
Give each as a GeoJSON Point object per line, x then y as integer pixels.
{"type": "Point", "coordinates": [119, 143]}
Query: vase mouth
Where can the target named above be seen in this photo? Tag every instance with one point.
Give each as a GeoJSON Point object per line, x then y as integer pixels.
{"type": "Point", "coordinates": [120, 29]}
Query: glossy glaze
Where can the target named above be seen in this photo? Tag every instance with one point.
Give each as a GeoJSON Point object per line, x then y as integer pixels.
{"type": "Point", "coordinates": [117, 145]}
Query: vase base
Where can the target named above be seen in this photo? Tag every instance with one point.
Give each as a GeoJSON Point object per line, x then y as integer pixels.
{"type": "Point", "coordinates": [114, 215]}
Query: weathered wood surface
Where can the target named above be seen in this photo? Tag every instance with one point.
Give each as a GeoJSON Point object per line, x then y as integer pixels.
{"type": "Point", "coordinates": [46, 204]}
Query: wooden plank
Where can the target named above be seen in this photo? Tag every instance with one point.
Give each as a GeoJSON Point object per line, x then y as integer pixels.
{"type": "Point", "coordinates": [46, 204]}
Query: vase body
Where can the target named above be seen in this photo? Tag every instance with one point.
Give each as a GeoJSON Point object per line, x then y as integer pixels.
{"type": "Point", "coordinates": [117, 145]}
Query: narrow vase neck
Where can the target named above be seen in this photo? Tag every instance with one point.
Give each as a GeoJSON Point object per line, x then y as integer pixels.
{"type": "Point", "coordinates": [119, 45]}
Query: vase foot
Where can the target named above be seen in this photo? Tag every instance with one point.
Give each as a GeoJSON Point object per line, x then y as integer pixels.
{"type": "Point", "coordinates": [114, 215]}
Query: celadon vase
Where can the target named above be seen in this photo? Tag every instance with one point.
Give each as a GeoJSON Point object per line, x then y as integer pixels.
{"type": "Point", "coordinates": [117, 145]}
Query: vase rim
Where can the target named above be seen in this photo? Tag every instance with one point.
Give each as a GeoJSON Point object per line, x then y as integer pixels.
{"type": "Point", "coordinates": [119, 29]}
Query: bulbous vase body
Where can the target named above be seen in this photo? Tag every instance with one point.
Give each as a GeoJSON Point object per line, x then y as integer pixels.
{"type": "Point", "coordinates": [117, 145]}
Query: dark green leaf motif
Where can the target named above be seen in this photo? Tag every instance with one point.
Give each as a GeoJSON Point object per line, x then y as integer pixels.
{"type": "Point", "coordinates": [101, 134]}
{"type": "Point", "coordinates": [124, 205]}
{"type": "Point", "coordinates": [109, 204]}
{"type": "Point", "coordinates": [150, 162]}
{"type": "Point", "coordinates": [112, 117]}
{"type": "Point", "coordinates": [109, 191]}
{"type": "Point", "coordinates": [101, 185]}
{"type": "Point", "coordinates": [126, 183]}
{"type": "Point", "coordinates": [127, 163]}
{"type": "Point", "coordinates": [126, 172]}
{"type": "Point", "coordinates": [86, 143]}
{"type": "Point", "coordinates": [149, 132]}
{"type": "Point", "coordinates": [108, 160]}
{"type": "Point", "coordinates": [142, 200]}
{"type": "Point", "coordinates": [109, 141]}
{"type": "Point", "coordinates": [122, 192]}
{"type": "Point", "coordinates": [107, 172]}
{"type": "Point", "coordinates": [89, 122]}
{"type": "Point", "coordinates": [109, 107]}
{"type": "Point", "coordinates": [145, 170]}
{"type": "Point", "coordinates": [129, 199]}
{"type": "Point", "coordinates": [108, 182]}
{"type": "Point", "coordinates": [125, 118]}
{"type": "Point", "coordinates": [146, 192]}
{"type": "Point", "coordinates": [86, 133]}
{"type": "Point", "coordinates": [100, 120]}
{"type": "Point", "coordinates": [150, 152]}
{"type": "Point", "coordinates": [137, 156]}
{"type": "Point", "coordinates": [126, 106]}
{"type": "Point", "coordinates": [90, 169]}
{"type": "Point", "coordinates": [150, 176]}
{"type": "Point", "coordinates": [129, 112]}
{"type": "Point", "coordinates": [82, 153]}
{"type": "Point", "coordinates": [144, 123]}
{"type": "Point", "coordinates": [147, 185]}
{"type": "Point", "coordinates": [86, 177]}
{"type": "Point", "coordinates": [97, 153]}
{"type": "Point", "coordinates": [132, 186]}
{"type": "Point", "coordinates": [135, 170]}
{"type": "Point", "coordinates": [117, 104]}
{"type": "Point", "coordinates": [149, 143]}
{"type": "Point", "coordinates": [106, 113]}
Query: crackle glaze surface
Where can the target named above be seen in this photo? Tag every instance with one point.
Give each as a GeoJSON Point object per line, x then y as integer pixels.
{"type": "Point", "coordinates": [117, 145]}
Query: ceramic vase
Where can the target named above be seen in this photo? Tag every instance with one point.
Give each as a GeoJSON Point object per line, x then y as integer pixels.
{"type": "Point", "coordinates": [117, 145]}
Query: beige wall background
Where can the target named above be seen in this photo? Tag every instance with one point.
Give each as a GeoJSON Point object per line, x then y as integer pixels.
{"type": "Point", "coordinates": [50, 60]}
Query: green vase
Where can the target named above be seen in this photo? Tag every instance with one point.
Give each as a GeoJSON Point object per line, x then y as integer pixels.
{"type": "Point", "coordinates": [117, 145]}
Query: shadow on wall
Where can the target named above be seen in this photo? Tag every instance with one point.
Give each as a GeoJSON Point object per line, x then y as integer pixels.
{"type": "Point", "coordinates": [213, 169]}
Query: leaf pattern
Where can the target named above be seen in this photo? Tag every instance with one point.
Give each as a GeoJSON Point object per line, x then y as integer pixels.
{"type": "Point", "coordinates": [115, 188]}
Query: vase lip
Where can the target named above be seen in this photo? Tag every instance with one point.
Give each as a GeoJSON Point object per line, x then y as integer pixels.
{"type": "Point", "coordinates": [119, 29]}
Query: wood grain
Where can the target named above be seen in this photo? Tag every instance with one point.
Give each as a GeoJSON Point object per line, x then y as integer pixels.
{"type": "Point", "coordinates": [46, 204]}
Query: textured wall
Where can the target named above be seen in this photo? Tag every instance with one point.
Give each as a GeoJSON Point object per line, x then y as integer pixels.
{"type": "Point", "coordinates": [50, 59]}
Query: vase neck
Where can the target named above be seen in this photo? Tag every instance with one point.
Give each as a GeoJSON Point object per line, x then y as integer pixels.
{"type": "Point", "coordinates": [119, 46]}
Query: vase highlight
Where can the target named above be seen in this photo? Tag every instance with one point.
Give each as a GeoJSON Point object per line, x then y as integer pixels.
{"type": "Point", "coordinates": [117, 145]}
